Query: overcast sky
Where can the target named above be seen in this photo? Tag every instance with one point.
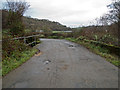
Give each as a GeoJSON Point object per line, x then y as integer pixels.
{"type": "Point", "coordinates": [72, 13]}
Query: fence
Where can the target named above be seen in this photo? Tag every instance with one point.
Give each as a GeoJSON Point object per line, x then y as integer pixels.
{"type": "Point", "coordinates": [24, 38]}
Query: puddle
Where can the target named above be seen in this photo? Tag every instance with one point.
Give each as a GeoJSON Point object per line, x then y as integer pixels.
{"type": "Point", "coordinates": [46, 61]}
{"type": "Point", "coordinates": [70, 45]}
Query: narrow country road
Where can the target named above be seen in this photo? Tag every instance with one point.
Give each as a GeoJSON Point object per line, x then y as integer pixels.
{"type": "Point", "coordinates": [63, 64]}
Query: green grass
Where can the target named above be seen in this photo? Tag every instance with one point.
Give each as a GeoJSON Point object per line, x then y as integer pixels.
{"type": "Point", "coordinates": [55, 37]}
{"type": "Point", "coordinates": [57, 31]}
{"type": "Point", "coordinates": [98, 50]}
{"type": "Point", "coordinates": [10, 63]}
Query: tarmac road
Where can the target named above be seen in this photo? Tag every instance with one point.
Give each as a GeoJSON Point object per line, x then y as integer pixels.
{"type": "Point", "coordinates": [63, 64]}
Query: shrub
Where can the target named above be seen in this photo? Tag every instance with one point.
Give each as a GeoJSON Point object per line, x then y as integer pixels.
{"type": "Point", "coordinates": [10, 46]}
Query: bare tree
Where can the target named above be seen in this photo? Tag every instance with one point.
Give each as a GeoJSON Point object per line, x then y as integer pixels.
{"type": "Point", "coordinates": [16, 9]}
{"type": "Point", "coordinates": [115, 11]}
{"type": "Point", "coordinates": [115, 15]}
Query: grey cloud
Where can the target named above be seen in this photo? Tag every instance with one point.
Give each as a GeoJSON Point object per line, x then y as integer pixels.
{"type": "Point", "coordinates": [68, 12]}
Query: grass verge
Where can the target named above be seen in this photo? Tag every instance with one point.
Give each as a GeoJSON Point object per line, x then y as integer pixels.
{"type": "Point", "coordinates": [112, 58]}
{"type": "Point", "coordinates": [10, 63]}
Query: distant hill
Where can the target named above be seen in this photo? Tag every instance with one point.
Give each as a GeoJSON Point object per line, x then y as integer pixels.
{"type": "Point", "coordinates": [36, 24]}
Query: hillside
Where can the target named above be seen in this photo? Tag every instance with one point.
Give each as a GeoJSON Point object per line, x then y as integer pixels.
{"type": "Point", "coordinates": [36, 24]}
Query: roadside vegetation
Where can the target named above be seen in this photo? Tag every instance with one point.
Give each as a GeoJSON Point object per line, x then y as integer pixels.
{"type": "Point", "coordinates": [16, 59]}
{"type": "Point", "coordinates": [16, 52]}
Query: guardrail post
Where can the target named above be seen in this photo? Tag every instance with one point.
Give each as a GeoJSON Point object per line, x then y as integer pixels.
{"type": "Point", "coordinates": [24, 40]}
{"type": "Point", "coordinates": [35, 40]}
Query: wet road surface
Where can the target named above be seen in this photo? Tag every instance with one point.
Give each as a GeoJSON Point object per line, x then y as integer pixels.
{"type": "Point", "coordinates": [63, 64]}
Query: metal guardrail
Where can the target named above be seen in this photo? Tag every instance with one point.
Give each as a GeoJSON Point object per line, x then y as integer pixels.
{"type": "Point", "coordinates": [24, 39]}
